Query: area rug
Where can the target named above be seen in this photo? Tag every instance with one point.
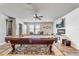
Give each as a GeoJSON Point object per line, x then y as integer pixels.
{"type": "Point", "coordinates": [32, 50]}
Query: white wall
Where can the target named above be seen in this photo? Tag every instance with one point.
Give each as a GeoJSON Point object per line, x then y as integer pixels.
{"type": "Point", "coordinates": [71, 26]}
{"type": "Point", "coordinates": [2, 28]}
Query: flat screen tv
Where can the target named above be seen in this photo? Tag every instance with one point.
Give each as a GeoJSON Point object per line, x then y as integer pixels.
{"type": "Point", "coordinates": [60, 31]}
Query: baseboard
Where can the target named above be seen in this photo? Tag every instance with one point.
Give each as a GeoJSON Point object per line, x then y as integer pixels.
{"type": "Point", "coordinates": [73, 45]}
{"type": "Point", "coordinates": [2, 43]}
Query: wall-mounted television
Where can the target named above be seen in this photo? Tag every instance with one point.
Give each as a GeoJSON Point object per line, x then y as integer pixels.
{"type": "Point", "coordinates": [60, 31]}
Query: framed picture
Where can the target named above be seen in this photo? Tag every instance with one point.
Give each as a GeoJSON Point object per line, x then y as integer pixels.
{"type": "Point", "coordinates": [61, 24]}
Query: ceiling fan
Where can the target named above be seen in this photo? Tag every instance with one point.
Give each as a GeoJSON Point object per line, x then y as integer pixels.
{"type": "Point", "coordinates": [37, 17]}
{"type": "Point", "coordinates": [35, 9]}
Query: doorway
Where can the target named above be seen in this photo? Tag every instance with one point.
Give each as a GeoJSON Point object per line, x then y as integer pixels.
{"type": "Point", "coordinates": [20, 29]}
{"type": "Point", "coordinates": [9, 27]}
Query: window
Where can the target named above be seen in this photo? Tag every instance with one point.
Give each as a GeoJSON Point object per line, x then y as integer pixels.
{"type": "Point", "coordinates": [34, 28]}
{"type": "Point", "coordinates": [31, 28]}
{"type": "Point", "coordinates": [37, 28]}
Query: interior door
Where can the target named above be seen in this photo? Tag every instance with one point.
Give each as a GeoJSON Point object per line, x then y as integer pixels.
{"type": "Point", "coordinates": [20, 29]}
{"type": "Point", "coordinates": [8, 27]}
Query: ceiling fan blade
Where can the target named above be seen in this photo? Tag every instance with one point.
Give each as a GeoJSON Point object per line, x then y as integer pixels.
{"type": "Point", "coordinates": [35, 15]}
{"type": "Point", "coordinates": [40, 16]}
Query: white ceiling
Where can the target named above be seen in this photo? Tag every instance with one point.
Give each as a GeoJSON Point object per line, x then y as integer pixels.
{"type": "Point", "coordinates": [26, 10]}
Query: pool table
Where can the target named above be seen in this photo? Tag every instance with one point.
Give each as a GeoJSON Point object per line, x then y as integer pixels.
{"type": "Point", "coordinates": [38, 40]}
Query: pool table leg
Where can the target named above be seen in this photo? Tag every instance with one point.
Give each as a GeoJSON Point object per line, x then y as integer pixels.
{"type": "Point", "coordinates": [20, 44]}
{"type": "Point", "coordinates": [50, 49]}
{"type": "Point", "coordinates": [13, 47]}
